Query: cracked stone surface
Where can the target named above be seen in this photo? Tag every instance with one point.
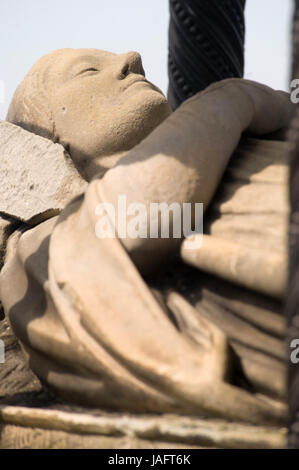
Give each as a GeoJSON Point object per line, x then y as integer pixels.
{"type": "Point", "coordinates": [38, 177]}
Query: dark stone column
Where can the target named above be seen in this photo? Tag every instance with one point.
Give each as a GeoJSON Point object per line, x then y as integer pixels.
{"type": "Point", "coordinates": [292, 304]}
{"type": "Point", "coordinates": [206, 44]}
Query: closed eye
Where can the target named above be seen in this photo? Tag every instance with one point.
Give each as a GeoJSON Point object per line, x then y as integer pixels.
{"type": "Point", "coordinates": [90, 70]}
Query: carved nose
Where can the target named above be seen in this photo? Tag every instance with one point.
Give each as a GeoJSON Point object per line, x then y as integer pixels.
{"type": "Point", "coordinates": [130, 63]}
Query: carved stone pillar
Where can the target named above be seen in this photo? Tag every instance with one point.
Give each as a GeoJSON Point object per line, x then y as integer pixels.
{"type": "Point", "coordinates": [206, 44]}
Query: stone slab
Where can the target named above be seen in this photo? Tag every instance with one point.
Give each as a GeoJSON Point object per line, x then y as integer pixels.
{"type": "Point", "coordinates": [37, 176]}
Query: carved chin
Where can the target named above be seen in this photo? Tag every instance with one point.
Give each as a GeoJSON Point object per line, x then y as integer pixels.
{"type": "Point", "coordinates": [142, 116]}
{"type": "Point", "coordinates": [148, 98]}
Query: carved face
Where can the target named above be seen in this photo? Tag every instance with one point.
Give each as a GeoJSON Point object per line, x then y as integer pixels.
{"type": "Point", "coordinates": [100, 103]}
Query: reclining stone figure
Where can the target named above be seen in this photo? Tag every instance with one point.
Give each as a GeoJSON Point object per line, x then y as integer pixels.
{"type": "Point", "coordinates": [90, 326]}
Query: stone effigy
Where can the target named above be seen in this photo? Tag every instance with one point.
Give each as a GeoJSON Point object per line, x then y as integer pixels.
{"type": "Point", "coordinates": [89, 324]}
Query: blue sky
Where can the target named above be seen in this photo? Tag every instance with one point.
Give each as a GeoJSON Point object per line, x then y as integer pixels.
{"type": "Point", "coordinates": [32, 28]}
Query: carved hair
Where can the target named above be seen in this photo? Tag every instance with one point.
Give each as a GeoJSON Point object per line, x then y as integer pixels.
{"type": "Point", "coordinates": [30, 107]}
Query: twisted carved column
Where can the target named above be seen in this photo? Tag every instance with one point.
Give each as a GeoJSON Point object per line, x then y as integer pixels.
{"type": "Point", "coordinates": [206, 44]}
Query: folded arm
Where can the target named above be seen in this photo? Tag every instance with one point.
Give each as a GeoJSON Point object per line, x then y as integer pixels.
{"type": "Point", "coordinates": [184, 159]}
